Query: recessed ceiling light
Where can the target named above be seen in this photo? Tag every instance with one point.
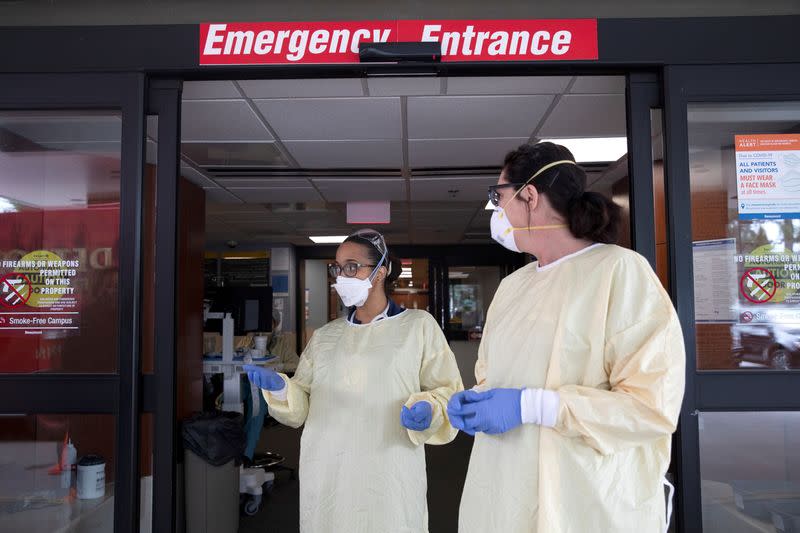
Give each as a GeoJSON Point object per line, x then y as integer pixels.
{"type": "Point", "coordinates": [333, 239]}
{"type": "Point", "coordinates": [6, 206]}
{"type": "Point", "coordinates": [594, 149]}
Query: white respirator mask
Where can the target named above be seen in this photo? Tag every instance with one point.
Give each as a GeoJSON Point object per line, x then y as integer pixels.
{"type": "Point", "coordinates": [354, 291]}
{"type": "Point", "coordinates": [500, 226]}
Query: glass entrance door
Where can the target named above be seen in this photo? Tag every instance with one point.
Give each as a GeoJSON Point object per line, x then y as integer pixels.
{"type": "Point", "coordinates": [733, 160]}
{"type": "Point", "coordinates": [70, 176]}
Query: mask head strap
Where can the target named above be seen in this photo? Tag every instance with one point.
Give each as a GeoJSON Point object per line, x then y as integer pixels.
{"type": "Point", "coordinates": [544, 169]}
{"type": "Point", "coordinates": [377, 241]}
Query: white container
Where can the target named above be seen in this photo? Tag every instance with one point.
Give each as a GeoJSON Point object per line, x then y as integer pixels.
{"type": "Point", "coordinates": [69, 456]}
{"type": "Point", "coordinates": [91, 477]}
{"type": "Point", "coordinates": [261, 343]}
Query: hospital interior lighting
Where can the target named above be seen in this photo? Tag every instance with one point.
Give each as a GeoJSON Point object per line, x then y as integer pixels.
{"type": "Point", "coordinates": [330, 239]}
{"type": "Point", "coordinates": [594, 149]}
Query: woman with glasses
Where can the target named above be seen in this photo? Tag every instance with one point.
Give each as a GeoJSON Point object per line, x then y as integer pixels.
{"type": "Point", "coordinates": [580, 368]}
{"type": "Point", "coordinates": [371, 389]}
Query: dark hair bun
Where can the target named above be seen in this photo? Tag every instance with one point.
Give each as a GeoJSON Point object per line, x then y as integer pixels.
{"type": "Point", "coordinates": [395, 268]}
{"type": "Point", "coordinates": [594, 217]}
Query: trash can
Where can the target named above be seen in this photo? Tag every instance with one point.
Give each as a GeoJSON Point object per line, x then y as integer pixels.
{"type": "Point", "coordinates": [213, 444]}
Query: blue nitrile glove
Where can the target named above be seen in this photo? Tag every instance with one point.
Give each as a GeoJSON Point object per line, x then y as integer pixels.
{"type": "Point", "coordinates": [494, 412]}
{"type": "Point", "coordinates": [454, 406]}
{"type": "Point", "coordinates": [264, 378]}
{"type": "Point", "coordinates": [418, 418]}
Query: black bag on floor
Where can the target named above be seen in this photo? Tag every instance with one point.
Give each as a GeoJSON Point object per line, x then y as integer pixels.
{"type": "Point", "coordinates": [215, 437]}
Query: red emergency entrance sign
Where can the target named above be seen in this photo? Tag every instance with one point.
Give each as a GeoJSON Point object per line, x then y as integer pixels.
{"type": "Point", "coordinates": [337, 42]}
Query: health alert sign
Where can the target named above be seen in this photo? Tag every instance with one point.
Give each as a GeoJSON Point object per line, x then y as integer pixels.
{"type": "Point", "coordinates": [337, 42]}
{"type": "Point", "coordinates": [768, 176]}
{"type": "Point", "coordinates": [38, 293]}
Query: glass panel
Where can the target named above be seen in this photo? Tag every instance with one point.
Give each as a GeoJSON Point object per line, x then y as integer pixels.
{"type": "Point", "coordinates": [659, 198]}
{"type": "Point", "coordinates": [146, 474]}
{"type": "Point", "coordinates": [410, 291]}
{"type": "Point", "coordinates": [471, 292]}
{"type": "Point", "coordinates": [148, 248]}
{"type": "Point", "coordinates": [39, 491]}
{"type": "Point", "coordinates": [750, 471]}
{"type": "Point", "coordinates": [320, 302]}
{"type": "Point", "coordinates": [745, 184]}
{"type": "Point", "coordinates": [59, 248]}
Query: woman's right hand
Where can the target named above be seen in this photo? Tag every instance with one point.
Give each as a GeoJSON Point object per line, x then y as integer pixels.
{"type": "Point", "coordinates": [264, 378]}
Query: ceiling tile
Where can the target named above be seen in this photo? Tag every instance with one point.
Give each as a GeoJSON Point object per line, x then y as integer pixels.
{"type": "Point", "coordinates": [63, 128]}
{"type": "Point", "coordinates": [455, 189]}
{"type": "Point", "coordinates": [209, 90]}
{"type": "Point", "coordinates": [347, 154]}
{"type": "Point", "coordinates": [274, 195]}
{"type": "Point", "coordinates": [221, 196]}
{"type": "Point", "coordinates": [460, 117]}
{"type": "Point", "coordinates": [110, 148]}
{"type": "Point", "coordinates": [442, 216]}
{"type": "Point", "coordinates": [262, 182]}
{"type": "Point", "coordinates": [264, 154]}
{"type": "Point", "coordinates": [437, 237]}
{"type": "Point", "coordinates": [219, 210]}
{"type": "Point", "coordinates": [221, 120]}
{"type": "Point", "coordinates": [461, 153]}
{"type": "Point", "coordinates": [333, 118]}
{"type": "Point", "coordinates": [362, 190]}
{"type": "Point", "coordinates": [598, 85]}
{"type": "Point", "coordinates": [302, 88]}
{"type": "Point", "coordinates": [486, 85]}
{"type": "Point", "coordinates": [424, 86]}
{"type": "Point", "coordinates": [198, 178]}
{"type": "Point", "coordinates": [586, 115]}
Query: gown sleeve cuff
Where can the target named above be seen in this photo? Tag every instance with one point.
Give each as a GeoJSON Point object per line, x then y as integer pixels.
{"type": "Point", "coordinates": [282, 394]}
{"type": "Point", "coordinates": [539, 406]}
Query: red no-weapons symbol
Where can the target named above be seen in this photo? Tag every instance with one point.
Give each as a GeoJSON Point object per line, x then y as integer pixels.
{"type": "Point", "coordinates": [15, 290]}
{"type": "Point", "coordinates": [758, 285]}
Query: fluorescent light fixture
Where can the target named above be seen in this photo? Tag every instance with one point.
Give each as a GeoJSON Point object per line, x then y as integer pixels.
{"type": "Point", "coordinates": [594, 149]}
{"type": "Point", "coordinates": [6, 206]}
{"type": "Point", "coordinates": [332, 239]}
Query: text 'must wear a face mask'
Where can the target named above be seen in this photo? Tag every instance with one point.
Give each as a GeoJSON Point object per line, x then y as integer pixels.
{"type": "Point", "coordinates": [352, 290]}
{"type": "Point", "coordinates": [501, 228]}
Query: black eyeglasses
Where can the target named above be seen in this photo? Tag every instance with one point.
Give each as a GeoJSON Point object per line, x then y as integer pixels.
{"type": "Point", "coordinates": [349, 270]}
{"type": "Point", "coordinates": [494, 192]}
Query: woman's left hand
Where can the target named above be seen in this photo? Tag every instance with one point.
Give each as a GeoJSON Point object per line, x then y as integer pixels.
{"type": "Point", "coordinates": [418, 418]}
{"type": "Point", "coordinates": [494, 411]}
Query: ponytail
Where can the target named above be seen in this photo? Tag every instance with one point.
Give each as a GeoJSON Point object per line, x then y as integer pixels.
{"type": "Point", "coordinates": [394, 269]}
{"type": "Point", "coordinates": [594, 217]}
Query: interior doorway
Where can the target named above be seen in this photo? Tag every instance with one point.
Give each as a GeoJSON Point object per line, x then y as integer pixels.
{"type": "Point", "coordinates": [280, 170]}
